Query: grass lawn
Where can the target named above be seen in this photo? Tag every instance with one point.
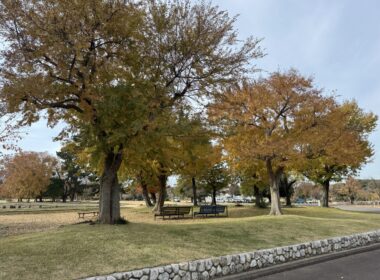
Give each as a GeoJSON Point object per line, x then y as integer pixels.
{"type": "Point", "coordinates": [35, 207]}
{"type": "Point", "coordinates": [77, 250]}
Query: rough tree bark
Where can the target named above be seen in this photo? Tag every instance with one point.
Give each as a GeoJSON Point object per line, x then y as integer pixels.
{"type": "Point", "coordinates": [325, 196]}
{"type": "Point", "coordinates": [274, 184]}
{"type": "Point", "coordinates": [109, 203]}
{"type": "Point", "coordinates": [194, 186]}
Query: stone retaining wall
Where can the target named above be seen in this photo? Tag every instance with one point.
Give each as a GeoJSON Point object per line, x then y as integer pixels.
{"type": "Point", "coordinates": [226, 265]}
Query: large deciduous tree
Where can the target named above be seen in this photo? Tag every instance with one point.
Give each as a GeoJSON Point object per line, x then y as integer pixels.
{"type": "Point", "coordinates": [196, 156]}
{"type": "Point", "coordinates": [269, 121]}
{"type": "Point", "coordinates": [252, 176]}
{"type": "Point", "coordinates": [341, 146]}
{"type": "Point", "coordinates": [351, 189]}
{"type": "Point", "coordinates": [72, 173]}
{"type": "Point", "coordinates": [215, 179]}
{"type": "Point", "coordinates": [307, 190]}
{"type": "Point", "coordinates": [287, 188]}
{"type": "Point", "coordinates": [27, 174]}
{"type": "Point", "coordinates": [253, 184]}
{"type": "Point", "coordinates": [109, 68]}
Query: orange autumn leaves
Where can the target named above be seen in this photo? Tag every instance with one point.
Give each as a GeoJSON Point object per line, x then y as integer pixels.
{"type": "Point", "coordinates": [283, 123]}
{"type": "Point", "coordinates": [272, 118]}
{"type": "Point", "coordinates": [27, 174]}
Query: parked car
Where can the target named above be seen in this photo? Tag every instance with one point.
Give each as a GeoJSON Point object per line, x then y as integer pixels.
{"type": "Point", "coordinates": [300, 201]}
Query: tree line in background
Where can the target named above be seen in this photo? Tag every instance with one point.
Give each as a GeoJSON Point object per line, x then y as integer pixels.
{"type": "Point", "coordinates": [150, 89]}
{"type": "Point", "coordinates": [352, 190]}
{"type": "Point", "coordinates": [32, 175]}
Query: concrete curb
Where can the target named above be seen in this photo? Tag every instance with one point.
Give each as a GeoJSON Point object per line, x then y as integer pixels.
{"type": "Point", "coordinates": [255, 274]}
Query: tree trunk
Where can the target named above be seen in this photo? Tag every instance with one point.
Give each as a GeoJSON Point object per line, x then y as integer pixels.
{"type": "Point", "coordinates": [259, 202]}
{"type": "Point", "coordinates": [65, 192]}
{"type": "Point", "coordinates": [144, 187]}
{"type": "Point", "coordinates": [64, 195]}
{"type": "Point", "coordinates": [269, 197]}
{"type": "Point", "coordinates": [287, 187]}
{"type": "Point", "coordinates": [287, 190]}
{"type": "Point", "coordinates": [274, 180]}
{"type": "Point", "coordinates": [109, 202]}
{"type": "Point", "coordinates": [72, 193]}
{"type": "Point", "coordinates": [194, 186]}
{"type": "Point", "coordinates": [153, 197]}
{"type": "Point", "coordinates": [288, 200]}
{"type": "Point", "coordinates": [161, 193]}
{"type": "Point", "coordinates": [213, 196]}
{"type": "Point", "coordinates": [352, 200]}
{"type": "Point", "coordinates": [325, 196]}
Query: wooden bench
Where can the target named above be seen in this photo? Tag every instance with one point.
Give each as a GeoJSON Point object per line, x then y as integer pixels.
{"type": "Point", "coordinates": [177, 211]}
{"type": "Point", "coordinates": [82, 214]}
{"type": "Point", "coordinates": [215, 210]}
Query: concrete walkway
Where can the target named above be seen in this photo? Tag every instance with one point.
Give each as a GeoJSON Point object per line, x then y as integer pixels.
{"type": "Point", "coordinates": [363, 266]}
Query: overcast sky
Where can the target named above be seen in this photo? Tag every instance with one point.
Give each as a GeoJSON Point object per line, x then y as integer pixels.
{"type": "Point", "coordinates": [337, 42]}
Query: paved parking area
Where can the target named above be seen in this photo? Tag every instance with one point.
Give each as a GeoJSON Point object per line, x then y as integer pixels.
{"type": "Point", "coordinates": [369, 209]}
{"type": "Point", "coordinates": [363, 266]}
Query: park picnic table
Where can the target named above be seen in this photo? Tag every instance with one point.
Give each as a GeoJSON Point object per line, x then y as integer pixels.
{"type": "Point", "coordinates": [214, 210]}
{"type": "Point", "coordinates": [82, 214]}
{"type": "Point", "coordinates": [174, 211]}
{"type": "Point", "coordinates": [181, 211]}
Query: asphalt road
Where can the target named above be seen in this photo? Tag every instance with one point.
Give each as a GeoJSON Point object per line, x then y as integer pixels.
{"type": "Point", "coordinates": [363, 266]}
{"type": "Point", "coordinates": [368, 209]}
